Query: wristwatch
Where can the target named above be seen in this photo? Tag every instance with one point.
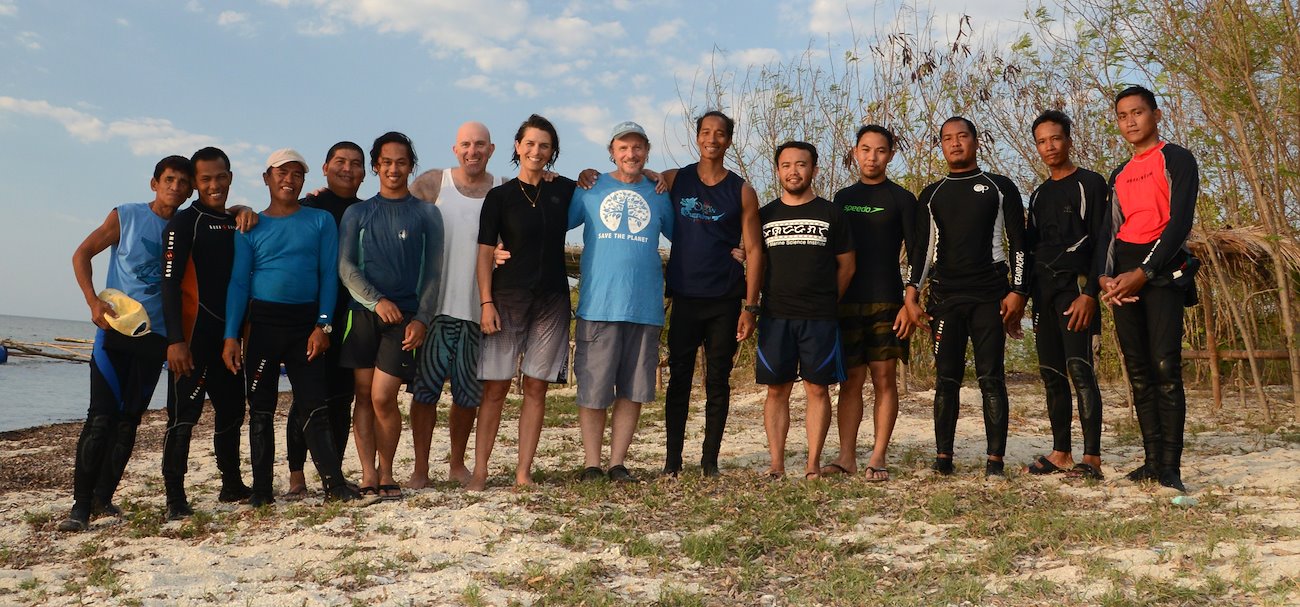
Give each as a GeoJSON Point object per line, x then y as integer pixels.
{"type": "Point", "coordinates": [752, 309]}
{"type": "Point", "coordinates": [325, 327]}
{"type": "Point", "coordinates": [1150, 274]}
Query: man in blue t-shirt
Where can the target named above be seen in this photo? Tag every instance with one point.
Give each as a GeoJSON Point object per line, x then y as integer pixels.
{"type": "Point", "coordinates": [620, 299]}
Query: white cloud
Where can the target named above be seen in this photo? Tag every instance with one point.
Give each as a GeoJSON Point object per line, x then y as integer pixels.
{"type": "Point", "coordinates": [496, 35]}
{"type": "Point", "coordinates": [227, 18]}
{"type": "Point", "coordinates": [664, 32]}
{"type": "Point", "coordinates": [836, 16]}
{"type": "Point", "coordinates": [480, 83]}
{"type": "Point", "coordinates": [526, 89]}
{"type": "Point", "coordinates": [29, 40]}
{"type": "Point", "coordinates": [83, 126]}
{"type": "Point", "coordinates": [754, 57]}
{"type": "Point", "coordinates": [193, 6]}
{"type": "Point", "coordinates": [320, 27]}
{"type": "Point", "coordinates": [8, 9]}
{"type": "Point", "coordinates": [122, 21]}
{"type": "Point", "coordinates": [593, 121]}
{"type": "Point", "coordinates": [143, 136]}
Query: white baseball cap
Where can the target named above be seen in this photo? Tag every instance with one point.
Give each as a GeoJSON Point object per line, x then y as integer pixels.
{"type": "Point", "coordinates": [284, 156]}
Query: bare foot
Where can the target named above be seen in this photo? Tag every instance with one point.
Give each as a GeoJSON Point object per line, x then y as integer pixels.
{"type": "Point", "coordinates": [417, 481]}
{"type": "Point", "coordinates": [476, 483]}
{"type": "Point", "coordinates": [774, 474]}
{"type": "Point", "coordinates": [524, 480]}
{"type": "Point", "coordinates": [460, 474]}
{"type": "Point", "coordinates": [1061, 459]}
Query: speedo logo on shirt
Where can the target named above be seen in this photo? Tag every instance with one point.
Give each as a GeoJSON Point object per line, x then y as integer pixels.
{"type": "Point", "coordinates": [796, 232]}
{"type": "Point", "coordinates": [854, 208]}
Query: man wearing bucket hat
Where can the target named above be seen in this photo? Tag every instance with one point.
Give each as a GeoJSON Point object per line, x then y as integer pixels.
{"type": "Point", "coordinates": [620, 299]}
{"type": "Point", "coordinates": [284, 277]}
{"type": "Point", "coordinates": [124, 366]}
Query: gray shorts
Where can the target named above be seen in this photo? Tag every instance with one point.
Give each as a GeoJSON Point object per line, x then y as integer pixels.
{"type": "Point", "coordinates": [534, 325]}
{"type": "Point", "coordinates": [615, 360]}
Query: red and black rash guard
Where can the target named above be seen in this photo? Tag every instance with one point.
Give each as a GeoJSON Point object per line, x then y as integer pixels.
{"type": "Point", "coordinates": [1068, 217]}
{"type": "Point", "coordinates": [199, 247]}
{"type": "Point", "coordinates": [1153, 199]}
{"type": "Point", "coordinates": [975, 222]}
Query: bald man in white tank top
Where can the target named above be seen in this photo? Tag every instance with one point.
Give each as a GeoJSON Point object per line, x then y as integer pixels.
{"type": "Point", "coordinates": [452, 348]}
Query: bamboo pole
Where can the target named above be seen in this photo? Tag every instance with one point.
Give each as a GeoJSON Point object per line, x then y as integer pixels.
{"type": "Point", "coordinates": [1212, 348]}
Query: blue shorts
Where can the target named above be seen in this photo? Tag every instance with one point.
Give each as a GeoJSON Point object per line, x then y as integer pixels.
{"type": "Point", "coordinates": [791, 348]}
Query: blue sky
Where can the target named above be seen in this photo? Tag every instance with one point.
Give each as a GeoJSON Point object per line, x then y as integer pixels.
{"type": "Point", "coordinates": [92, 94]}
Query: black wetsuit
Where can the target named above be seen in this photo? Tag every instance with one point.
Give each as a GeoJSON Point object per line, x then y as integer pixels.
{"type": "Point", "coordinates": [339, 381]}
{"type": "Point", "coordinates": [1153, 200]}
{"type": "Point", "coordinates": [967, 263]}
{"type": "Point", "coordinates": [196, 271]}
{"type": "Point", "coordinates": [1067, 218]}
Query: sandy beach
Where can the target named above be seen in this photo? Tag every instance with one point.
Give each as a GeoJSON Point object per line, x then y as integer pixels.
{"type": "Point", "coordinates": [917, 539]}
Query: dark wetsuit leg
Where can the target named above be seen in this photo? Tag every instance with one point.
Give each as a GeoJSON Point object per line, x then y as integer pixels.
{"type": "Point", "coordinates": [950, 330]}
{"type": "Point", "coordinates": [989, 341]}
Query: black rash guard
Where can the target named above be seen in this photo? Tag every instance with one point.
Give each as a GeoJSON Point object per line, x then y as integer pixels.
{"type": "Point", "coordinates": [1068, 217]}
{"type": "Point", "coordinates": [881, 217]}
{"type": "Point", "coordinates": [194, 286]}
{"type": "Point", "coordinates": [966, 215]}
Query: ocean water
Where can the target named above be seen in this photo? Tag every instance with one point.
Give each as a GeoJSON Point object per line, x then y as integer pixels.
{"type": "Point", "coordinates": [35, 391]}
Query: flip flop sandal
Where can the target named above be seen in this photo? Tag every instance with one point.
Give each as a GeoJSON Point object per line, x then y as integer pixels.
{"type": "Point", "coordinates": [834, 469]}
{"type": "Point", "coordinates": [1042, 466]}
{"type": "Point", "coordinates": [877, 475]}
{"type": "Point", "coordinates": [368, 491]}
{"type": "Point", "coordinates": [385, 493]}
{"type": "Point", "coordinates": [1087, 472]}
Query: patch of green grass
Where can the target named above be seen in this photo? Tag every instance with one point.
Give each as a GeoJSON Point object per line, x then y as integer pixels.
{"type": "Point", "coordinates": [708, 548]}
{"type": "Point", "coordinates": [100, 572]}
{"type": "Point", "coordinates": [1126, 430]}
{"type": "Point", "coordinates": [472, 596]}
{"type": "Point", "coordinates": [544, 525]}
{"type": "Point", "coordinates": [672, 596]}
{"type": "Point", "coordinates": [200, 524]}
{"type": "Point", "coordinates": [583, 584]}
{"type": "Point", "coordinates": [38, 518]}
{"type": "Point", "coordinates": [561, 411]}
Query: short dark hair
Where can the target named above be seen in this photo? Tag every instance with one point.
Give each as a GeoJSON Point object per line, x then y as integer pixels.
{"type": "Point", "coordinates": [863, 130]}
{"type": "Point", "coordinates": [392, 137]}
{"type": "Point", "coordinates": [344, 145]}
{"type": "Point", "coordinates": [1140, 91]}
{"type": "Point", "coordinates": [210, 153]}
{"type": "Point", "coordinates": [1056, 116]}
{"type": "Point", "coordinates": [797, 145]}
{"type": "Point", "coordinates": [970, 125]}
{"type": "Point", "coordinates": [727, 122]}
{"type": "Point", "coordinates": [540, 123]}
{"type": "Point", "coordinates": [877, 129]}
{"type": "Point", "coordinates": [180, 164]}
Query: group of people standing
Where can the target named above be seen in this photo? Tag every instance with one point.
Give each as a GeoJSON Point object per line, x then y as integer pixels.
{"type": "Point", "coordinates": [457, 275]}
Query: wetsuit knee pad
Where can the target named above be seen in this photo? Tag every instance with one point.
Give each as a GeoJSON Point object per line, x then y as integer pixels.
{"type": "Point", "coordinates": [1169, 371]}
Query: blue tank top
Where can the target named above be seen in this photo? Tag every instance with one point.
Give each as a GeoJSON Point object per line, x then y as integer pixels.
{"type": "Point", "coordinates": [707, 226]}
{"type": "Point", "coordinates": [135, 262]}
